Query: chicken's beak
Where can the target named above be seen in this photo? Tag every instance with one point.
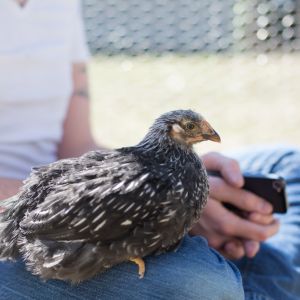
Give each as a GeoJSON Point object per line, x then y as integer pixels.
{"type": "Point", "coordinates": [208, 133]}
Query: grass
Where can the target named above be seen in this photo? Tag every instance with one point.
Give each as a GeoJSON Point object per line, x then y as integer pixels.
{"type": "Point", "coordinates": [248, 99]}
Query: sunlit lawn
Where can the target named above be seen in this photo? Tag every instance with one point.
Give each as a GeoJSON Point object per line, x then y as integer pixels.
{"type": "Point", "coordinates": [248, 99]}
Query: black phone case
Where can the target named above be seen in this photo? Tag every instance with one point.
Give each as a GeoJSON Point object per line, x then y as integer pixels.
{"type": "Point", "coordinates": [271, 187]}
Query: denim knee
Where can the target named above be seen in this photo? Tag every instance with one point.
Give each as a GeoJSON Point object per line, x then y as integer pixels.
{"type": "Point", "coordinates": [198, 272]}
{"type": "Point", "coordinates": [211, 284]}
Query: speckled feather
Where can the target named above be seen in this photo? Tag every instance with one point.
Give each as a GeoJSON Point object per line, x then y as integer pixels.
{"type": "Point", "coordinates": [77, 217]}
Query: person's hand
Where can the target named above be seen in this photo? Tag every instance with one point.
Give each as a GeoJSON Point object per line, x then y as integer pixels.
{"type": "Point", "coordinates": [233, 235]}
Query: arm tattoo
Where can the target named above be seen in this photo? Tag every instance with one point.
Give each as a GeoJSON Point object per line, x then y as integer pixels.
{"type": "Point", "coordinates": [80, 89]}
{"type": "Point", "coordinates": [82, 70]}
{"type": "Point", "coordinates": [82, 93]}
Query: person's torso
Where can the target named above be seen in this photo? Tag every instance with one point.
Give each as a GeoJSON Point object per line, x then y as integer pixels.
{"type": "Point", "coordinates": [35, 81]}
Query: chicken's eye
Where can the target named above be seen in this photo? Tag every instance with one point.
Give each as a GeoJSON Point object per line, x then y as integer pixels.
{"type": "Point", "coordinates": [190, 126]}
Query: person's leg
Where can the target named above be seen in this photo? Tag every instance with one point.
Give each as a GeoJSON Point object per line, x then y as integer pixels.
{"type": "Point", "coordinates": [274, 273]}
{"type": "Point", "coordinates": [193, 272]}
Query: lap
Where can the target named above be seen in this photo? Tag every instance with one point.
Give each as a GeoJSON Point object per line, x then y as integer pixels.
{"type": "Point", "coordinates": [193, 272]}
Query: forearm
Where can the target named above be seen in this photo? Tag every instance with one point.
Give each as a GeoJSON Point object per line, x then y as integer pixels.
{"type": "Point", "coordinates": [77, 138]}
{"type": "Point", "coordinates": [9, 187]}
{"type": "Point", "coordinates": [66, 150]}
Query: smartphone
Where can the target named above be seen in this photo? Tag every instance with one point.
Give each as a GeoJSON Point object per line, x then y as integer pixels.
{"type": "Point", "coordinates": [271, 187]}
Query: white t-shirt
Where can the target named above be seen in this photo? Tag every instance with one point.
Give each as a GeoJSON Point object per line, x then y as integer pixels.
{"type": "Point", "coordinates": [38, 45]}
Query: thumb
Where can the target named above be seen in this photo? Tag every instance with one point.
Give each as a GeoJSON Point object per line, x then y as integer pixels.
{"type": "Point", "coordinates": [228, 167]}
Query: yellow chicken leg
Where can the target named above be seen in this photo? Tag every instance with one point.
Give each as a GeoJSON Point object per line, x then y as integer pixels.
{"type": "Point", "coordinates": [141, 265]}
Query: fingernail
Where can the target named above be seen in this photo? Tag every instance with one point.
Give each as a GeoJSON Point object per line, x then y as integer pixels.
{"type": "Point", "coordinates": [266, 207]}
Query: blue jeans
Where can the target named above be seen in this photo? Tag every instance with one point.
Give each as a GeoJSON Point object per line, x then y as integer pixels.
{"type": "Point", "coordinates": [274, 273]}
{"type": "Point", "coordinates": [195, 271]}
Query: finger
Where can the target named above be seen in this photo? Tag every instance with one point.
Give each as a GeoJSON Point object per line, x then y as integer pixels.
{"type": "Point", "coordinates": [260, 218]}
{"type": "Point", "coordinates": [234, 249]}
{"type": "Point", "coordinates": [204, 228]}
{"type": "Point", "coordinates": [240, 198]}
{"type": "Point", "coordinates": [228, 167]}
{"type": "Point", "coordinates": [251, 248]}
{"type": "Point", "coordinates": [248, 230]}
{"type": "Point", "coordinates": [229, 225]}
